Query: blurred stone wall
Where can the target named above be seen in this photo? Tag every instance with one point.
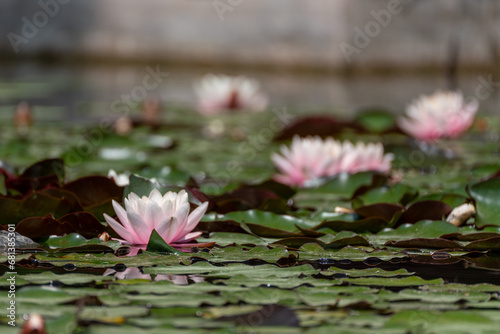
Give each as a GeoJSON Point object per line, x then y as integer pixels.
{"type": "Point", "coordinates": [321, 34]}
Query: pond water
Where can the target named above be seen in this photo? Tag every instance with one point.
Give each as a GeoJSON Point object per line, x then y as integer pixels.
{"type": "Point", "coordinates": [84, 92]}
{"type": "Point", "coordinates": [279, 260]}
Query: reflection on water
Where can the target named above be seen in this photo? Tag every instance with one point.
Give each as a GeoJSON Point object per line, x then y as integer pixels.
{"type": "Point", "coordinates": [137, 273]}
{"type": "Point", "coordinates": [87, 92]}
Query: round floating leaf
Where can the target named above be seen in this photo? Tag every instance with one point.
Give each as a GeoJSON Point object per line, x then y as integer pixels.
{"type": "Point", "coordinates": [37, 204]}
{"type": "Point", "coordinates": [386, 211]}
{"type": "Point", "coordinates": [422, 229]}
{"type": "Point", "coordinates": [323, 126]}
{"type": "Point", "coordinates": [344, 185]}
{"type": "Point", "coordinates": [297, 242]}
{"type": "Point", "coordinates": [268, 219]}
{"type": "Point", "coordinates": [398, 194]}
{"type": "Point", "coordinates": [82, 222]}
{"type": "Point", "coordinates": [87, 249]}
{"type": "Point", "coordinates": [346, 238]}
{"type": "Point", "coordinates": [486, 196]}
{"type": "Point", "coordinates": [140, 186]}
{"type": "Point", "coordinates": [434, 243]}
{"type": "Point", "coordinates": [373, 225]}
{"type": "Point", "coordinates": [453, 200]}
{"type": "Point", "coordinates": [425, 210]}
{"type": "Point", "coordinates": [376, 120]}
{"type": "Point", "coordinates": [38, 176]}
{"type": "Point", "coordinates": [485, 244]}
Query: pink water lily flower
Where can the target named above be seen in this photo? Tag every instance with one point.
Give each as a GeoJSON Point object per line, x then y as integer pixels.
{"type": "Point", "coordinates": [441, 115]}
{"type": "Point", "coordinates": [221, 93]}
{"type": "Point", "coordinates": [309, 159]}
{"type": "Point", "coordinates": [168, 215]}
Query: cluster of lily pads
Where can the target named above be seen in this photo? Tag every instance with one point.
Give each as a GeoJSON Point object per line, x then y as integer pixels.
{"type": "Point", "coordinates": [328, 235]}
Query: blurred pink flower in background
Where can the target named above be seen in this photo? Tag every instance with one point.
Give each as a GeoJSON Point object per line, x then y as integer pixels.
{"type": "Point", "coordinates": [309, 159]}
{"type": "Point", "coordinates": [441, 115]}
{"type": "Point", "coordinates": [168, 215]}
{"type": "Point", "coordinates": [221, 93]}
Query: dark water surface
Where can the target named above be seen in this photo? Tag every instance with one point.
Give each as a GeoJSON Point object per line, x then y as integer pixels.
{"type": "Point", "coordinates": [86, 91]}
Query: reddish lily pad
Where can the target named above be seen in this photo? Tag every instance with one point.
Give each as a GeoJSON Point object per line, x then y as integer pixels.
{"type": "Point", "coordinates": [37, 204]}
{"type": "Point", "coordinates": [372, 224]}
{"type": "Point", "coordinates": [386, 211]}
{"type": "Point", "coordinates": [433, 243]}
{"type": "Point", "coordinates": [323, 126]}
{"type": "Point", "coordinates": [245, 199]}
{"type": "Point", "coordinates": [425, 210]}
{"type": "Point", "coordinates": [83, 223]}
{"type": "Point", "coordinates": [94, 190]}
{"type": "Point", "coordinates": [38, 176]}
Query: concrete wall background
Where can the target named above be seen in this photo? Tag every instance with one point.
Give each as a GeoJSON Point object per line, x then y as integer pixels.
{"type": "Point", "coordinates": [302, 33]}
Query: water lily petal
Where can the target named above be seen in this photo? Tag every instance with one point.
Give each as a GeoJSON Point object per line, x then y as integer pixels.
{"type": "Point", "coordinates": [193, 219]}
{"type": "Point", "coordinates": [155, 195]}
{"type": "Point", "coordinates": [122, 215]}
{"type": "Point", "coordinates": [122, 231]}
{"type": "Point", "coordinates": [182, 218]}
{"type": "Point", "coordinates": [153, 215]}
{"type": "Point", "coordinates": [189, 237]}
{"type": "Point", "coordinates": [167, 229]}
{"type": "Point", "coordinates": [140, 228]}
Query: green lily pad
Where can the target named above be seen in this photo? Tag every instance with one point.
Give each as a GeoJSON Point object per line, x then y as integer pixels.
{"type": "Point", "coordinates": [376, 120]}
{"type": "Point", "coordinates": [486, 196]}
{"type": "Point", "coordinates": [399, 194]}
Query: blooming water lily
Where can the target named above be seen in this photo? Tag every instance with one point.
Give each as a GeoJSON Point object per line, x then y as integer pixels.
{"type": "Point", "coordinates": [221, 93]}
{"type": "Point", "coordinates": [441, 115]}
{"type": "Point", "coordinates": [168, 215]}
{"type": "Point", "coordinates": [311, 158]}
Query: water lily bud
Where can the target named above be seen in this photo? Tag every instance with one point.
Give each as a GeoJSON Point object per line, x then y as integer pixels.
{"type": "Point", "coordinates": [238, 134]}
{"type": "Point", "coordinates": [221, 93]}
{"type": "Point", "coordinates": [34, 325]}
{"type": "Point", "coordinates": [104, 236]}
{"type": "Point", "coordinates": [23, 118]}
{"type": "Point", "coordinates": [214, 129]}
{"type": "Point", "coordinates": [461, 214]}
{"type": "Point", "coordinates": [123, 126]}
{"type": "Point", "coordinates": [340, 209]}
{"type": "Point", "coordinates": [151, 111]}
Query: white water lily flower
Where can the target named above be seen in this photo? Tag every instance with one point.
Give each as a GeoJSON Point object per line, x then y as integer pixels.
{"type": "Point", "coordinates": [221, 93]}
{"type": "Point", "coordinates": [168, 215]}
